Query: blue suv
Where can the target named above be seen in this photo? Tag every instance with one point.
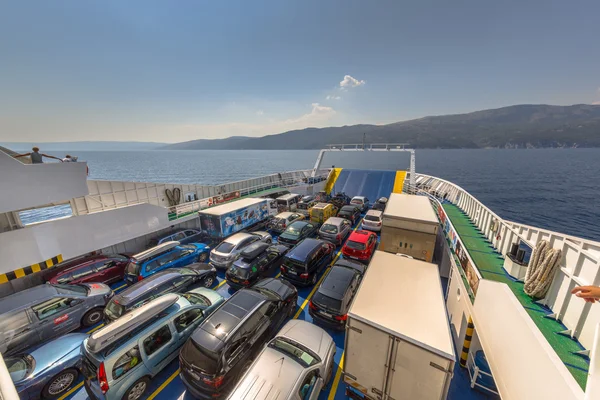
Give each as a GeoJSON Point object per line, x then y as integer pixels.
{"type": "Point", "coordinates": [165, 255]}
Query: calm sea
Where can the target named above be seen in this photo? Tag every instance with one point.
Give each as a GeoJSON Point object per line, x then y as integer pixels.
{"type": "Point", "coordinates": [552, 188]}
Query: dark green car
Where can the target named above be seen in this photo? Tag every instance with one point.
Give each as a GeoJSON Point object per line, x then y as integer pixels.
{"type": "Point", "coordinates": [297, 231]}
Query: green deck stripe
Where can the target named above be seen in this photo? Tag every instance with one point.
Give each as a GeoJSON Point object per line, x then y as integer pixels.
{"type": "Point", "coordinates": [490, 267]}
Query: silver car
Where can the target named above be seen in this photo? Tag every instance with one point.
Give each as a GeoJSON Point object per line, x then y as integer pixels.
{"type": "Point", "coordinates": [45, 312]}
{"type": "Point", "coordinates": [296, 364]}
{"type": "Point", "coordinates": [335, 230]}
{"type": "Point", "coordinates": [229, 249]}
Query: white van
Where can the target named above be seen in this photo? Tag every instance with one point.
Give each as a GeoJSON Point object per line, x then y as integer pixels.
{"type": "Point", "coordinates": [288, 202]}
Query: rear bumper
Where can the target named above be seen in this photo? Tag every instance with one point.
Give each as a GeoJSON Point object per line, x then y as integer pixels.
{"type": "Point", "coordinates": [296, 280]}
{"type": "Point", "coordinates": [373, 228]}
{"type": "Point", "coordinates": [319, 320]}
{"type": "Point", "coordinates": [362, 259]}
{"type": "Point", "coordinates": [329, 238]}
{"type": "Point", "coordinates": [92, 394]}
{"type": "Point", "coordinates": [199, 393]}
{"type": "Point", "coordinates": [220, 264]}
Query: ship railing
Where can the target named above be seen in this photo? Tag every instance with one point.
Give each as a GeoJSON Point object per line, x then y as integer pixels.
{"type": "Point", "coordinates": [475, 372]}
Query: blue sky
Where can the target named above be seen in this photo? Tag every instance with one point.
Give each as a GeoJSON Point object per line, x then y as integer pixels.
{"type": "Point", "coordinates": [181, 70]}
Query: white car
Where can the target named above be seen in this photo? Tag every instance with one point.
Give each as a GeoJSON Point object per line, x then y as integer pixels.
{"type": "Point", "coordinates": [296, 364]}
{"type": "Point", "coordinates": [372, 221]}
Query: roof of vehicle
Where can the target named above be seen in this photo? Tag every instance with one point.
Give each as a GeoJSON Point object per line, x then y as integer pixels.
{"type": "Point", "coordinates": [254, 250]}
{"type": "Point", "coordinates": [336, 282]}
{"type": "Point", "coordinates": [304, 248]}
{"type": "Point", "coordinates": [348, 208]}
{"type": "Point", "coordinates": [360, 236]}
{"type": "Point", "coordinates": [140, 288]}
{"type": "Point", "coordinates": [346, 263]}
{"type": "Point", "coordinates": [119, 328]}
{"type": "Point", "coordinates": [25, 297]}
{"type": "Point", "coordinates": [410, 207]}
{"type": "Point", "coordinates": [323, 205]}
{"type": "Point", "coordinates": [173, 232]}
{"type": "Point", "coordinates": [281, 249]}
{"type": "Point", "coordinates": [300, 224]}
{"type": "Point", "coordinates": [288, 196]}
{"type": "Point", "coordinates": [310, 335]}
{"type": "Point", "coordinates": [226, 318]}
{"type": "Point", "coordinates": [274, 285]}
{"type": "Point", "coordinates": [286, 214]}
{"type": "Point", "coordinates": [238, 237]}
{"type": "Point", "coordinates": [155, 250]}
{"type": "Point", "coordinates": [363, 198]}
{"type": "Point", "coordinates": [308, 197]}
{"type": "Point", "coordinates": [231, 206]}
{"type": "Point", "coordinates": [375, 213]}
{"type": "Point", "coordinates": [335, 221]}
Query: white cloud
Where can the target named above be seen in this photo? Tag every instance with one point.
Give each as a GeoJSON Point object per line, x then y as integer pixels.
{"type": "Point", "coordinates": [332, 97]}
{"type": "Point", "coordinates": [596, 103]}
{"type": "Point", "coordinates": [350, 82]}
{"type": "Point", "coordinates": [260, 112]}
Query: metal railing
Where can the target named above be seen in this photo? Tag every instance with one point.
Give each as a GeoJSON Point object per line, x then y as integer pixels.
{"type": "Point", "coordinates": [476, 373]}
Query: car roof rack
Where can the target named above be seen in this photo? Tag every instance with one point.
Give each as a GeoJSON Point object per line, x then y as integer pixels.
{"type": "Point", "coordinates": [155, 250]}
{"type": "Point", "coordinates": [254, 250]}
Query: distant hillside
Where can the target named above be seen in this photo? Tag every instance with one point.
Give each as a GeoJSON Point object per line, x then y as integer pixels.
{"type": "Point", "coordinates": [83, 146]}
{"type": "Point", "coordinates": [508, 127]}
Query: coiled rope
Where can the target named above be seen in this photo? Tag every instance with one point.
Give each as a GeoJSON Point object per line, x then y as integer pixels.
{"type": "Point", "coordinates": [542, 265]}
{"type": "Point", "coordinates": [174, 196]}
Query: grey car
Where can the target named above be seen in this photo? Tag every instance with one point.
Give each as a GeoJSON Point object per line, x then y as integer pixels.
{"type": "Point", "coordinates": [296, 364]}
{"type": "Point", "coordinates": [183, 236]}
{"type": "Point", "coordinates": [229, 249]}
{"type": "Point", "coordinates": [335, 230]}
{"type": "Point", "coordinates": [44, 312]}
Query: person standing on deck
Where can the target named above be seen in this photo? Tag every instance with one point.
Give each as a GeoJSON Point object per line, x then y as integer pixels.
{"type": "Point", "coordinates": [36, 156]}
{"type": "Point", "coordinates": [590, 294]}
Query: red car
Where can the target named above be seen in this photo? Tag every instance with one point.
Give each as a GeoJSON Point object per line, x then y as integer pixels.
{"type": "Point", "coordinates": [360, 245]}
{"type": "Point", "coordinates": [97, 268]}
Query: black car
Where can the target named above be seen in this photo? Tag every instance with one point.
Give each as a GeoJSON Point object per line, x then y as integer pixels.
{"type": "Point", "coordinates": [255, 261]}
{"type": "Point", "coordinates": [351, 213]}
{"type": "Point", "coordinates": [172, 280]}
{"type": "Point", "coordinates": [302, 264]}
{"type": "Point", "coordinates": [298, 231]}
{"type": "Point", "coordinates": [380, 204]}
{"type": "Point", "coordinates": [329, 305]}
{"type": "Point", "coordinates": [223, 346]}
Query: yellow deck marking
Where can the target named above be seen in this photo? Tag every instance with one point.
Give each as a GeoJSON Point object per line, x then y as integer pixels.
{"type": "Point", "coordinates": [221, 284]}
{"type": "Point", "coordinates": [64, 396]}
{"type": "Point", "coordinates": [95, 329]}
{"type": "Point", "coordinates": [3, 278]}
{"type": "Point", "coordinates": [278, 275]}
{"type": "Point", "coordinates": [164, 385]}
{"type": "Point", "coordinates": [35, 267]}
{"type": "Point", "coordinates": [336, 381]}
{"type": "Point", "coordinates": [19, 273]}
{"type": "Point", "coordinates": [120, 287]}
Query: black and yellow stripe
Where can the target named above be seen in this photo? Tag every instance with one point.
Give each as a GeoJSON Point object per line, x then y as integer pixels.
{"type": "Point", "coordinates": [468, 337]}
{"type": "Point", "coordinates": [30, 269]}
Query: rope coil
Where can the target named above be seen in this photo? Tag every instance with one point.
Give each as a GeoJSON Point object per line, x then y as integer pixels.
{"type": "Point", "coordinates": [540, 272]}
{"type": "Point", "coordinates": [174, 196]}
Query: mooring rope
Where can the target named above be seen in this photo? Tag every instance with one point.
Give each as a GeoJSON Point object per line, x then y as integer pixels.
{"type": "Point", "coordinates": [542, 265]}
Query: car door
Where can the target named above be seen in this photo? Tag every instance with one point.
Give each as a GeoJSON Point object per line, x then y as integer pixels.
{"type": "Point", "coordinates": [310, 385]}
{"type": "Point", "coordinates": [57, 316]}
{"type": "Point", "coordinates": [103, 272]}
{"type": "Point", "coordinates": [371, 244]}
{"type": "Point", "coordinates": [192, 236]}
{"type": "Point", "coordinates": [17, 332]}
{"type": "Point", "coordinates": [186, 322]}
{"type": "Point", "coordinates": [159, 347]}
{"type": "Point", "coordinates": [182, 283]}
{"type": "Point", "coordinates": [187, 255]}
{"type": "Point", "coordinates": [346, 229]}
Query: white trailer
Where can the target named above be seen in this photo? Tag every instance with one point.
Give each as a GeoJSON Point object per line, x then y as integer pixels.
{"type": "Point", "coordinates": [398, 341]}
{"type": "Point", "coordinates": [409, 226]}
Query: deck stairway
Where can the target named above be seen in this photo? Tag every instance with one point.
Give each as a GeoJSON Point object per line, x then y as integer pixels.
{"type": "Point", "coordinates": [489, 262]}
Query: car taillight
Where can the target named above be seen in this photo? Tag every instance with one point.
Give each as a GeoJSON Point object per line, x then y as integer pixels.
{"type": "Point", "coordinates": [246, 282]}
{"type": "Point", "coordinates": [312, 306]}
{"type": "Point", "coordinates": [102, 378]}
{"type": "Point", "coordinates": [284, 225]}
{"type": "Point", "coordinates": [304, 275]}
{"type": "Point", "coordinates": [214, 382]}
{"type": "Point", "coordinates": [282, 268]}
{"type": "Point", "coordinates": [140, 278]}
{"type": "Point", "coordinates": [338, 236]}
{"type": "Point", "coordinates": [341, 317]}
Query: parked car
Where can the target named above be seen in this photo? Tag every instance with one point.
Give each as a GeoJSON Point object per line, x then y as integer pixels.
{"type": "Point", "coordinates": [172, 280]}
{"type": "Point", "coordinates": [380, 204]}
{"type": "Point", "coordinates": [255, 261]}
{"type": "Point", "coordinates": [288, 202]}
{"type": "Point", "coordinates": [330, 304]}
{"type": "Point", "coordinates": [44, 312]}
{"type": "Point", "coordinates": [223, 346]}
{"type": "Point", "coordinates": [351, 264]}
{"type": "Point", "coordinates": [298, 231]}
{"type": "Point", "coordinates": [120, 359]}
{"type": "Point", "coordinates": [296, 364]}
{"type": "Point", "coordinates": [183, 236]}
{"type": "Point", "coordinates": [351, 213]}
{"type": "Point", "coordinates": [164, 256]}
{"type": "Point", "coordinates": [321, 212]}
{"type": "Point", "coordinates": [361, 202]}
{"type": "Point", "coordinates": [304, 208]}
{"type": "Point", "coordinates": [335, 230]}
{"type": "Point", "coordinates": [229, 249]}
{"type": "Point", "coordinates": [340, 200]}
{"type": "Point", "coordinates": [98, 268]}
{"type": "Point", "coordinates": [48, 370]}
{"type": "Point", "coordinates": [303, 263]}
{"type": "Point", "coordinates": [282, 220]}
{"type": "Point", "coordinates": [360, 245]}
{"type": "Point", "coordinates": [372, 221]}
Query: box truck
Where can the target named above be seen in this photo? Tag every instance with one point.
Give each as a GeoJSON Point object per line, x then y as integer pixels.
{"type": "Point", "coordinates": [409, 226]}
{"type": "Point", "coordinates": [244, 214]}
{"type": "Point", "coordinates": [398, 343]}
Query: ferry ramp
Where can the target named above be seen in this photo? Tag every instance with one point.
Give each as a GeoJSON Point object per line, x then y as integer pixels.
{"type": "Point", "coordinates": [372, 184]}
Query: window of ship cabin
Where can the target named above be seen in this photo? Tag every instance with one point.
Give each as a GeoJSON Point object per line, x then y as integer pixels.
{"type": "Point", "coordinates": [157, 340]}
{"type": "Point", "coordinates": [126, 362]}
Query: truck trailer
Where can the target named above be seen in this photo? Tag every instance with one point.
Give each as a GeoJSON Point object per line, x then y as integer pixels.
{"type": "Point", "coordinates": [409, 226]}
{"type": "Point", "coordinates": [398, 343]}
{"type": "Point", "coordinates": [244, 214]}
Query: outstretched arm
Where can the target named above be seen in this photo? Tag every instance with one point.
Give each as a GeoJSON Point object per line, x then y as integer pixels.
{"type": "Point", "coordinates": [56, 158]}
{"type": "Point", "coordinates": [22, 155]}
{"type": "Point", "coordinates": [590, 294]}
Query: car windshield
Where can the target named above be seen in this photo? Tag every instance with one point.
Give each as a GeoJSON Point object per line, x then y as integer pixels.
{"type": "Point", "coordinates": [329, 228]}
{"type": "Point", "coordinates": [299, 353]}
{"type": "Point", "coordinates": [132, 268]}
{"type": "Point", "coordinates": [356, 201]}
{"type": "Point", "coordinates": [70, 289]}
{"type": "Point", "coordinates": [327, 302]}
{"type": "Point", "coordinates": [114, 310]}
{"type": "Point", "coordinates": [19, 367]}
{"type": "Point", "coordinates": [355, 245]}
{"type": "Point", "coordinates": [293, 230]}
{"type": "Point", "coordinates": [239, 272]}
{"type": "Point", "coordinates": [372, 218]}
{"type": "Point", "coordinates": [200, 358]}
{"type": "Point", "coordinates": [187, 247]}
{"type": "Point", "coordinates": [196, 298]}
{"type": "Point", "coordinates": [225, 247]}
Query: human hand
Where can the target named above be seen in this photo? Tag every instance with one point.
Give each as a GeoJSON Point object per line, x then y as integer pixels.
{"type": "Point", "coordinates": [590, 294]}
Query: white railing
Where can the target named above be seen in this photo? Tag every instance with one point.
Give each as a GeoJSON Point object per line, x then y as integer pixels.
{"type": "Point", "coordinates": [476, 373]}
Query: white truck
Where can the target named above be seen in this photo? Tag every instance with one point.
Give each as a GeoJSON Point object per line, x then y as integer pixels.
{"type": "Point", "coordinates": [398, 343]}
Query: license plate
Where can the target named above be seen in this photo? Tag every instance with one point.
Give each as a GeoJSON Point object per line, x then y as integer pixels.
{"type": "Point", "coordinates": [292, 272]}
{"type": "Point", "coordinates": [325, 314]}
{"type": "Point", "coordinates": [353, 257]}
{"type": "Point", "coordinates": [234, 280]}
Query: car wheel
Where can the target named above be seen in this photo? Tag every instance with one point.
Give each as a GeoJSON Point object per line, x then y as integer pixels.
{"type": "Point", "coordinates": [208, 281]}
{"type": "Point", "coordinates": [137, 390]}
{"type": "Point", "coordinates": [269, 241]}
{"type": "Point", "coordinates": [60, 383]}
{"type": "Point", "coordinates": [92, 317]}
{"type": "Point", "coordinates": [203, 257]}
{"type": "Point", "coordinates": [313, 281]}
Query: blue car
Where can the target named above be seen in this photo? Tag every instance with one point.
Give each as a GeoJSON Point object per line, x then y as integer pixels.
{"type": "Point", "coordinates": [48, 370]}
{"type": "Point", "coordinates": [165, 255]}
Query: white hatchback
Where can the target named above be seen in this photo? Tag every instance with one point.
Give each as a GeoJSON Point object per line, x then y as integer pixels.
{"type": "Point", "coordinates": [372, 221]}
